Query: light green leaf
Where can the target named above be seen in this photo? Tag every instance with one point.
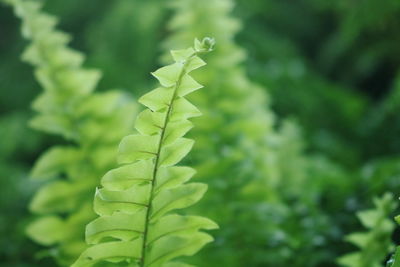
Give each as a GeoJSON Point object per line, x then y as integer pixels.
{"type": "Point", "coordinates": [183, 109]}
{"type": "Point", "coordinates": [54, 124]}
{"type": "Point", "coordinates": [46, 230]}
{"type": "Point", "coordinates": [188, 85]}
{"type": "Point", "coordinates": [47, 102]}
{"type": "Point", "coordinates": [358, 239]}
{"type": "Point", "coordinates": [106, 202]}
{"type": "Point", "coordinates": [157, 99]}
{"type": "Point", "coordinates": [101, 105]}
{"type": "Point", "coordinates": [397, 218]}
{"type": "Point", "coordinates": [54, 161]}
{"type": "Point", "coordinates": [176, 130]}
{"type": "Point", "coordinates": [41, 26]}
{"type": "Point", "coordinates": [177, 224]}
{"type": "Point", "coordinates": [120, 226]}
{"type": "Point", "coordinates": [136, 147]}
{"type": "Point", "coordinates": [33, 55]}
{"type": "Point", "coordinates": [170, 247]}
{"type": "Point", "coordinates": [194, 63]}
{"type": "Point", "coordinates": [82, 81]}
{"type": "Point", "coordinates": [169, 177]}
{"type": "Point", "coordinates": [58, 196]}
{"type": "Point", "coordinates": [65, 57]}
{"type": "Point", "coordinates": [183, 54]}
{"type": "Point", "coordinates": [168, 75]}
{"type": "Point", "coordinates": [176, 198]}
{"type": "Point", "coordinates": [351, 259]}
{"type": "Point", "coordinates": [110, 251]}
{"type": "Point", "coordinates": [198, 45]}
{"type": "Point", "coordinates": [122, 178]}
{"type": "Point", "coordinates": [175, 152]}
{"type": "Point", "coordinates": [149, 122]}
{"type": "Point", "coordinates": [369, 218]}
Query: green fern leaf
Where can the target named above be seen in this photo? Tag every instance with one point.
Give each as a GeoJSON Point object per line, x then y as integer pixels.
{"type": "Point", "coordinates": [136, 204]}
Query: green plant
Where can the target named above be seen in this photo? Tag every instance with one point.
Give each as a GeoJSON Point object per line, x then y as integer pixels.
{"type": "Point", "coordinates": [283, 191]}
{"type": "Point", "coordinates": [376, 243]}
{"type": "Point", "coordinates": [134, 205]}
{"type": "Point", "coordinates": [395, 259]}
{"type": "Point", "coordinates": [235, 149]}
{"type": "Point", "coordinates": [266, 164]}
{"type": "Point", "coordinates": [68, 108]}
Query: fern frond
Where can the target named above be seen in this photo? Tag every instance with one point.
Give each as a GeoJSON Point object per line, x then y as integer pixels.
{"type": "Point", "coordinates": [376, 243]}
{"type": "Point", "coordinates": [68, 107]}
{"type": "Point", "coordinates": [58, 70]}
{"type": "Point", "coordinates": [235, 152]}
{"type": "Point", "coordinates": [136, 224]}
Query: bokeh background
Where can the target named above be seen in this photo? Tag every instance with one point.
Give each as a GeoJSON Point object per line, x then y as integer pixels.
{"type": "Point", "coordinates": [330, 68]}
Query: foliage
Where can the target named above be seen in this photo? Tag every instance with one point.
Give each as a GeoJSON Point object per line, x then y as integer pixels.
{"type": "Point", "coordinates": [136, 201]}
{"type": "Point", "coordinates": [375, 244]}
{"type": "Point", "coordinates": [395, 259]}
{"type": "Point", "coordinates": [288, 162]}
{"type": "Point", "coordinates": [242, 151]}
{"type": "Point", "coordinates": [68, 108]}
{"type": "Point", "coordinates": [319, 70]}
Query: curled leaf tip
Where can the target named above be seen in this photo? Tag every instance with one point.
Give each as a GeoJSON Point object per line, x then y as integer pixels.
{"type": "Point", "coordinates": [205, 45]}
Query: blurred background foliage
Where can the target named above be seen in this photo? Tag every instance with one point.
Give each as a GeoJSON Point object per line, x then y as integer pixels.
{"type": "Point", "coordinates": [330, 67]}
